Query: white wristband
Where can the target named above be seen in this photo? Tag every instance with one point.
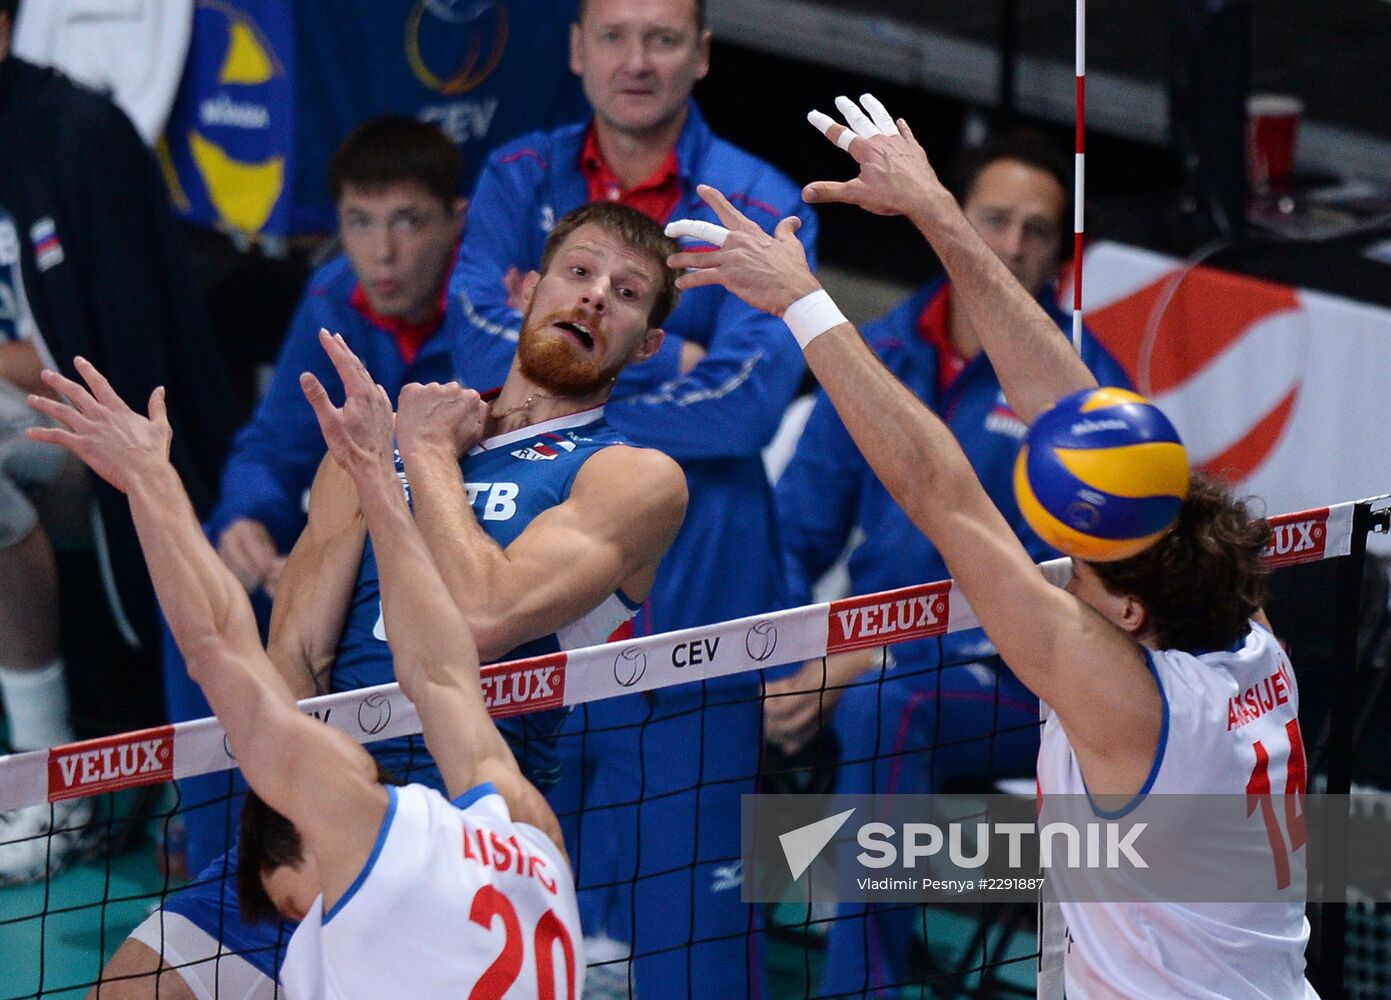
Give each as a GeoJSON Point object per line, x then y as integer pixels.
{"type": "Point", "coordinates": [811, 316]}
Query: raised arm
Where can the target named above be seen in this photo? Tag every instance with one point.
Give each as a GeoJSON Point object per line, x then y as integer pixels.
{"type": "Point", "coordinates": [432, 649]}
{"type": "Point", "coordinates": [1090, 672]}
{"type": "Point", "coordinates": [315, 776]}
{"type": "Point", "coordinates": [316, 585]}
{"type": "Point", "coordinates": [1035, 365]}
{"type": "Point", "coordinates": [624, 509]}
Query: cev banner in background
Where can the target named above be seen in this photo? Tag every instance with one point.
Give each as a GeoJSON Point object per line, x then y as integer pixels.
{"type": "Point", "coordinates": [273, 86]}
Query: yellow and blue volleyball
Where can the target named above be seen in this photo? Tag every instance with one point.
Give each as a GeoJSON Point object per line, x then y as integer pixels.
{"type": "Point", "coordinates": [1102, 474]}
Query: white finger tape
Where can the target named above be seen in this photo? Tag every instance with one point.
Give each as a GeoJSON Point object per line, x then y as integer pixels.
{"type": "Point", "coordinates": [811, 316]}
{"type": "Point", "coordinates": [821, 120]}
{"type": "Point", "coordinates": [879, 114]}
{"type": "Point", "coordinates": [698, 229]}
{"type": "Point", "coordinates": [846, 138]}
{"type": "Point", "coordinates": [855, 118]}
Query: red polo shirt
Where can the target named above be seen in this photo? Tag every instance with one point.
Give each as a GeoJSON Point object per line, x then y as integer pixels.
{"type": "Point", "coordinates": [655, 197]}
{"type": "Point", "coordinates": [932, 327]}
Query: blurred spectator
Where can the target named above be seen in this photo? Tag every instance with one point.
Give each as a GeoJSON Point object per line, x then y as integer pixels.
{"type": "Point", "coordinates": [945, 708]}
{"type": "Point", "coordinates": [396, 184]}
{"type": "Point", "coordinates": [711, 398]}
{"type": "Point", "coordinates": [132, 51]}
{"type": "Point", "coordinates": [93, 266]}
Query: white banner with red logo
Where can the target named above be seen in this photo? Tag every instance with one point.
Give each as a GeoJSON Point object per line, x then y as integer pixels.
{"type": "Point", "coordinates": [150, 756]}
{"type": "Point", "coordinates": [1280, 389]}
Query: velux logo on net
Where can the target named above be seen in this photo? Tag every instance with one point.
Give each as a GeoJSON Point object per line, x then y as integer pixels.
{"type": "Point", "coordinates": [910, 613]}
{"type": "Point", "coordinates": [966, 845]}
{"type": "Point", "coordinates": [1297, 541]}
{"type": "Point", "coordinates": [525, 686]}
{"type": "Point", "coordinates": [111, 763]}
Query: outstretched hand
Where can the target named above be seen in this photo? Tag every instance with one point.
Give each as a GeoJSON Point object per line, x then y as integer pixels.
{"type": "Point", "coordinates": [117, 443]}
{"type": "Point", "coordinates": [767, 272]}
{"type": "Point", "coordinates": [359, 433]}
{"type": "Point", "coordinates": [895, 175]}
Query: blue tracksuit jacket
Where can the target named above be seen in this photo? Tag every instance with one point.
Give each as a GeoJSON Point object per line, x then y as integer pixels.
{"type": "Point", "coordinates": [275, 455]}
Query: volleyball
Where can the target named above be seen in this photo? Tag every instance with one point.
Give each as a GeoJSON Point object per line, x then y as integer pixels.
{"type": "Point", "coordinates": [1102, 474]}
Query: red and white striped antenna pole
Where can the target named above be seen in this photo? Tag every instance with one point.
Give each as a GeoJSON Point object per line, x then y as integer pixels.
{"type": "Point", "coordinates": [1079, 175]}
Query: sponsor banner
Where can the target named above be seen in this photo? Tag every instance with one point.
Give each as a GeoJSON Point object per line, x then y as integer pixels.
{"type": "Point", "coordinates": [894, 616]}
{"type": "Point", "coordinates": [1267, 384]}
{"type": "Point", "coordinates": [111, 763]}
{"type": "Point", "coordinates": [1254, 849]}
{"type": "Point", "coordinates": [1296, 539]}
{"type": "Point", "coordinates": [525, 685]}
{"type": "Point", "coordinates": [697, 654]}
{"type": "Point", "coordinates": [230, 146]}
{"type": "Point", "coordinates": [1310, 535]}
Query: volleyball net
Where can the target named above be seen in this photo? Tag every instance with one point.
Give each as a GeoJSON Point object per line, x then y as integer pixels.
{"type": "Point", "coordinates": [657, 763]}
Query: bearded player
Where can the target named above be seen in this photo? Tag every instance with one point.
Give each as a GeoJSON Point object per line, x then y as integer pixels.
{"type": "Point", "coordinates": [399, 891]}
{"type": "Point", "coordinates": [546, 529]}
{"type": "Point", "coordinates": [1137, 659]}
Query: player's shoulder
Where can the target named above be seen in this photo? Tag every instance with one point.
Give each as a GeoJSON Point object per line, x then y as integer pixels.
{"type": "Point", "coordinates": [535, 152]}
{"type": "Point", "coordinates": [753, 184]}
{"type": "Point", "coordinates": [87, 126]}
{"type": "Point", "coordinates": [332, 281]}
{"type": "Point", "coordinates": [627, 470]}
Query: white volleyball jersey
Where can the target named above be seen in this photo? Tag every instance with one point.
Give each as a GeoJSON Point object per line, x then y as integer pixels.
{"type": "Point", "coordinates": [1230, 728]}
{"type": "Point", "coordinates": [453, 897]}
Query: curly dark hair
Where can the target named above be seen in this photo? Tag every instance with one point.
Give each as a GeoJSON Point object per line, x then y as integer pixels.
{"type": "Point", "coordinates": [1205, 578]}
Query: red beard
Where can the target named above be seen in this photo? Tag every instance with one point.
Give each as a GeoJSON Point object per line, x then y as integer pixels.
{"type": "Point", "coordinates": [555, 366]}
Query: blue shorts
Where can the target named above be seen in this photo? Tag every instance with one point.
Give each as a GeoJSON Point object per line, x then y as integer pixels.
{"type": "Point", "coordinates": [210, 903]}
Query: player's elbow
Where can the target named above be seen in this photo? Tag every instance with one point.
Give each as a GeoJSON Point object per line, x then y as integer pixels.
{"type": "Point", "coordinates": [494, 638]}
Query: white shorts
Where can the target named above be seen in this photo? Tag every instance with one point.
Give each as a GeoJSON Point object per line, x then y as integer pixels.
{"type": "Point", "coordinates": [209, 970]}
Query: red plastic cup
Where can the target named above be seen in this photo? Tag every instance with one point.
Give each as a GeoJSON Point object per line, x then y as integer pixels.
{"type": "Point", "coordinates": [1272, 124]}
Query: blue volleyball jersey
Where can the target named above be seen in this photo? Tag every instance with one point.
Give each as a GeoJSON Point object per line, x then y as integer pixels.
{"type": "Point", "coordinates": [510, 479]}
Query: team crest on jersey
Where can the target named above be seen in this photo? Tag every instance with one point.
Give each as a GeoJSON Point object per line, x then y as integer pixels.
{"type": "Point", "coordinates": [48, 252]}
{"type": "Point", "coordinates": [1003, 420]}
{"type": "Point", "coordinates": [544, 451]}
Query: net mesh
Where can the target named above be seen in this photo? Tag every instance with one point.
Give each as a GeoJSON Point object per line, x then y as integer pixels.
{"type": "Point", "coordinates": [650, 798]}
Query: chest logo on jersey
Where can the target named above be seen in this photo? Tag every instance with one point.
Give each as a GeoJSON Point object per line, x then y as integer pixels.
{"type": "Point", "coordinates": [910, 613]}
{"type": "Point", "coordinates": [544, 450]}
{"type": "Point", "coordinates": [109, 764]}
{"type": "Point", "coordinates": [1003, 420]}
{"type": "Point", "coordinates": [493, 501]}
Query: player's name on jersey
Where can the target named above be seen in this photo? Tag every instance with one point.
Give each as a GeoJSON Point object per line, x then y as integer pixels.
{"type": "Point", "coordinates": [1260, 698]}
{"type": "Point", "coordinates": [506, 855]}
